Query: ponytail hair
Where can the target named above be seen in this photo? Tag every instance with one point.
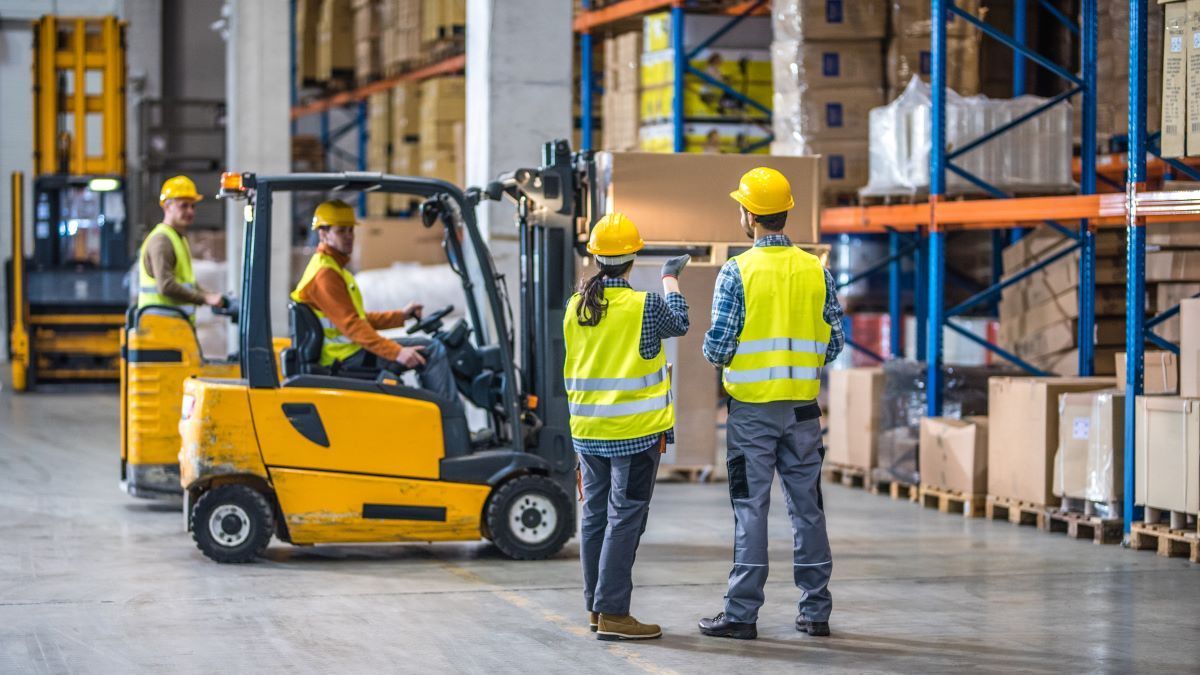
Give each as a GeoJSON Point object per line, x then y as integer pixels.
{"type": "Point", "coordinates": [592, 305]}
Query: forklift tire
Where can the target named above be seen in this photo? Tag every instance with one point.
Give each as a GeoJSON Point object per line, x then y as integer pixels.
{"type": "Point", "coordinates": [232, 524]}
{"type": "Point", "coordinates": [529, 518]}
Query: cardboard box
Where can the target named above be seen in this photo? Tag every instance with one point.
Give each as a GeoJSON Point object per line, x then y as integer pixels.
{"type": "Point", "coordinates": [1174, 235]}
{"type": "Point", "coordinates": [750, 33]}
{"type": "Point", "coordinates": [307, 15]}
{"type": "Point", "coordinates": [379, 242]}
{"type": "Point", "coordinates": [685, 197]}
{"type": "Point", "coordinates": [1174, 80]}
{"type": "Point", "coordinates": [442, 19]}
{"type": "Point", "coordinates": [1193, 77]}
{"type": "Point", "coordinates": [1059, 277]}
{"type": "Point", "coordinates": [1172, 266]}
{"type": "Point", "coordinates": [1160, 373]}
{"type": "Point", "coordinates": [703, 100]}
{"type": "Point", "coordinates": [914, 18]}
{"type": "Point", "coordinates": [734, 67]}
{"type": "Point", "coordinates": [696, 382]}
{"type": "Point", "coordinates": [1109, 301]}
{"type": "Point", "coordinates": [443, 98]}
{"type": "Point", "coordinates": [1167, 453]}
{"type": "Point", "coordinates": [1189, 348]}
{"type": "Point", "coordinates": [823, 114]}
{"type": "Point", "coordinates": [1045, 243]}
{"type": "Point", "coordinates": [835, 20]}
{"type": "Point", "coordinates": [1064, 335]}
{"type": "Point", "coordinates": [1066, 364]}
{"type": "Point", "coordinates": [954, 453]}
{"type": "Point", "coordinates": [909, 57]}
{"type": "Point", "coordinates": [1023, 433]}
{"type": "Point", "coordinates": [854, 413]}
{"type": "Point", "coordinates": [335, 40]}
{"type": "Point", "coordinates": [1090, 460]}
{"type": "Point", "coordinates": [822, 65]}
{"type": "Point", "coordinates": [845, 166]}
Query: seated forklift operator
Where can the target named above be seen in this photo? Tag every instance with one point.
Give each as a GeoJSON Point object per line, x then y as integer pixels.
{"type": "Point", "coordinates": [351, 333]}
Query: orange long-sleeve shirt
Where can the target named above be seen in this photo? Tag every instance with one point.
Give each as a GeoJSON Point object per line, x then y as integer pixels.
{"type": "Point", "coordinates": [327, 293]}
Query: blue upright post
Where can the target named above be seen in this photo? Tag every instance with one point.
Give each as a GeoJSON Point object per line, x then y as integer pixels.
{"type": "Point", "coordinates": [1018, 88]}
{"type": "Point", "coordinates": [920, 294]}
{"type": "Point", "coordinates": [937, 187]}
{"type": "Point", "coordinates": [586, 86]}
{"type": "Point", "coordinates": [1087, 185]}
{"type": "Point", "coordinates": [680, 63]}
{"type": "Point", "coordinates": [363, 132]}
{"type": "Point", "coordinates": [895, 311]}
{"type": "Point", "coordinates": [1019, 21]}
{"type": "Point", "coordinates": [1135, 252]}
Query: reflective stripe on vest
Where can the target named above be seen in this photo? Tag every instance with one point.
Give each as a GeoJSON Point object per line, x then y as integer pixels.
{"type": "Point", "coordinates": [781, 348]}
{"type": "Point", "coordinates": [147, 286]}
{"type": "Point", "coordinates": [612, 392]}
{"type": "Point", "coordinates": [336, 346]}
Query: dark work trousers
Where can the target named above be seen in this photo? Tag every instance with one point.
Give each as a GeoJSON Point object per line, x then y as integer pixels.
{"type": "Point", "coordinates": [783, 436]}
{"type": "Point", "coordinates": [616, 503]}
{"type": "Point", "coordinates": [435, 375]}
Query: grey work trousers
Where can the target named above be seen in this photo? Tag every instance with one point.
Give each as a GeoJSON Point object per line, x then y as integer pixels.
{"type": "Point", "coordinates": [435, 375]}
{"type": "Point", "coordinates": [783, 436]}
{"type": "Point", "coordinates": [616, 503]}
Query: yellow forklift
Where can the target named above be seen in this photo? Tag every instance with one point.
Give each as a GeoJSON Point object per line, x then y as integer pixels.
{"type": "Point", "coordinates": [315, 457]}
{"type": "Point", "coordinates": [68, 299]}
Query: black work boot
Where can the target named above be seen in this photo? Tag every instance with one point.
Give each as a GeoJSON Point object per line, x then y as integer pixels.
{"type": "Point", "coordinates": [721, 626]}
{"type": "Point", "coordinates": [815, 628]}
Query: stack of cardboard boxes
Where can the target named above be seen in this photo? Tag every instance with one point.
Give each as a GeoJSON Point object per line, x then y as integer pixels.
{"type": "Point", "coordinates": [368, 43]}
{"type": "Point", "coordinates": [379, 141]}
{"type": "Point", "coordinates": [405, 146]}
{"type": "Point", "coordinates": [1023, 436]}
{"type": "Point", "coordinates": [828, 75]}
{"type": "Point", "coordinates": [909, 51]}
{"type": "Point", "coordinates": [442, 21]}
{"type": "Point", "coordinates": [855, 409]}
{"type": "Point", "coordinates": [714, 121]}
{"type": "Point", "coordinates": [1167, 452]}
{"type": "Point", "coordinates": [1112, 71]}
{"type": "Point", "coordinates": [1039, 315]}
{"type": "Point", "coordinates": [401, 34]}
{"type": "Point", "coordinates": [335, 41]}
{"type": "Point", "coordinates": [621, 105]}
{"type": "Point", "coordinates": [442, 113]}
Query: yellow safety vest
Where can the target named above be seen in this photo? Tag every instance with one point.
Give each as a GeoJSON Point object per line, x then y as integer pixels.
{"type": "Point", "coordinates": [612, 392]}
{"type": "Point", "coordinates": [148, 288]}
{"type": "Point", "coordinates": [781, 348]}
{"type": "Point", "coordinates": [336, 347]}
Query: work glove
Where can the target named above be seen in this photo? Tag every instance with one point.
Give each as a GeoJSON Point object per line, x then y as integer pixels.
{"type": "Point", "coordinates": [675, 265]}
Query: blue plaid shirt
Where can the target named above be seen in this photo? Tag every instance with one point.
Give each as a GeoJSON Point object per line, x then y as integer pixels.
{"type": "Point", "coordinates": [662, 319]}
{"type": "Point", "coordinates": [729, 311]}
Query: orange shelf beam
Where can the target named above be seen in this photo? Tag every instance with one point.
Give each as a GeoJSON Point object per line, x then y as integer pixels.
{"type": "Point", "coordinates": [1115, 165]}
{"type": "Point", "coordinates": [1105, 210]}
{"type": "Point", "coordinates": [586, 21]}
{"type": "Point", "coordinates": [451, 65]}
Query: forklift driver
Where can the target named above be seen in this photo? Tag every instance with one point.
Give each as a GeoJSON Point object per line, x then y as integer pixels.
{"type": "Point", "coordinates": [351, 333]}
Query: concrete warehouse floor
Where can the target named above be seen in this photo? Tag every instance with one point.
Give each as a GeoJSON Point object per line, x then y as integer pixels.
{"type": "Point", "coordinates": [94, 581]}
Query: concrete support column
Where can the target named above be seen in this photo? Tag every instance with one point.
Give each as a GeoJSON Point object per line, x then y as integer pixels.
{"type": "Point", "coordinates": [258, 140]}
{"type": "Point", "coordinates": [519, 92]}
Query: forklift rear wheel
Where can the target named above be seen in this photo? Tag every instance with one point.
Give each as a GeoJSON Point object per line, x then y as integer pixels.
{"type": "Point", "coordinates": [232, 523]}
{"type": "Point", "coordinates": [529, 518]}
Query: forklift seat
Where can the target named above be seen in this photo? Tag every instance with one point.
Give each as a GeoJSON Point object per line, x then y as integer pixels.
{"type": "Point", "coordinates": [304, 356]}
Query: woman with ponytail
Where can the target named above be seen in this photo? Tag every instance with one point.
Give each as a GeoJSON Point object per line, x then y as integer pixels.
{"type": "Point", "coordinates": [622, 416]}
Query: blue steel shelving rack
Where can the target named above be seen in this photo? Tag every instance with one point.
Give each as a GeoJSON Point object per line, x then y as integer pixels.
{"type": "Point", "coordinates": [588, 87]}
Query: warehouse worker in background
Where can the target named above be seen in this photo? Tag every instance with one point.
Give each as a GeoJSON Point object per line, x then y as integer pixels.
{"type": "Point", "coordinates": [619, 397]}
{"type": "Point", "coordinates": [165, 275]}
{"type": "Point", "coordinates": [351, 333]}
{"type": "Point", "coordinates": [775, 322]}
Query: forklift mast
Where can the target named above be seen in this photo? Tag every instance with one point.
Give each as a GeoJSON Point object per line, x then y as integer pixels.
{"type": "Point", "coordinates": [556, 205]}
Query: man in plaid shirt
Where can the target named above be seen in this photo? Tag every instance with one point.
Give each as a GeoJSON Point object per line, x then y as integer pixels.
{"type": "Point", "coordinates": [776, 322]}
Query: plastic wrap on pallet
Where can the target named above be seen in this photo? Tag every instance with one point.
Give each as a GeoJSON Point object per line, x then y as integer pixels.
{"type": "Point", "coordinates": [1033, 156]}
{"type": "Point", "coordinates": [904, 392]}
{"type": "Point", "coordinates": [1090, 444]}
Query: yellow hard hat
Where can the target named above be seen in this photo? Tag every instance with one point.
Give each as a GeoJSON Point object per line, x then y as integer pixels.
{"type": "Point", "coordinates": [764, 191]}
{"type": "Point", "coordinates": [334, 213]}
{"type": "Point", "coordinates": [615, 235]}
{"type": "Point", "coordinates": [178, 187]}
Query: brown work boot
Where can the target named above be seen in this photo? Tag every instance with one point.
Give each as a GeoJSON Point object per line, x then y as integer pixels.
{"type": "Point", "coordinates": [625, 627]}
{"type": "Point", "coordinates": [593, 620]}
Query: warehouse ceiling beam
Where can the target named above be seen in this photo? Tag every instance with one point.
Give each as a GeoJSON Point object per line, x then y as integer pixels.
{"type": "Point", "coordinates": [449, 66]}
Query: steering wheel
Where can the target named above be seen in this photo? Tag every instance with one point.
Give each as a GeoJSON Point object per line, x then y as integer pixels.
{"type": "Point", "coordinates": [431, 322]}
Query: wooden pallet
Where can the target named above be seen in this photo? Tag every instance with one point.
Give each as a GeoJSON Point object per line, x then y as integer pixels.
{"type": "Point", "coordinates": [1015, 511]}
{"type": "Point", "coordinates": [844, 474]}
{"type": "Point", "coordinates": [1165, 541]}
{"type": "Point", "coordinates": [1079, 525]}
{"type": "Point", "coordinates": [968, 505]}
{"type": "Point", "coordinates": [896, 490]}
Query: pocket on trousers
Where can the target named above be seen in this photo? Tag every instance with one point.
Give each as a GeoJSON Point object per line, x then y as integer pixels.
{"type": "Point", "coordinates": [739, 488]}
{"type": "Point", "coordinates": [641, 476]}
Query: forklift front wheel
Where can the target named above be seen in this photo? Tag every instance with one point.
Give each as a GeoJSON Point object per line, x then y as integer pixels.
{"type": "Point", "coordinates": [232, 523]}
{"type": "Point", "coordinates": [529, 518]}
